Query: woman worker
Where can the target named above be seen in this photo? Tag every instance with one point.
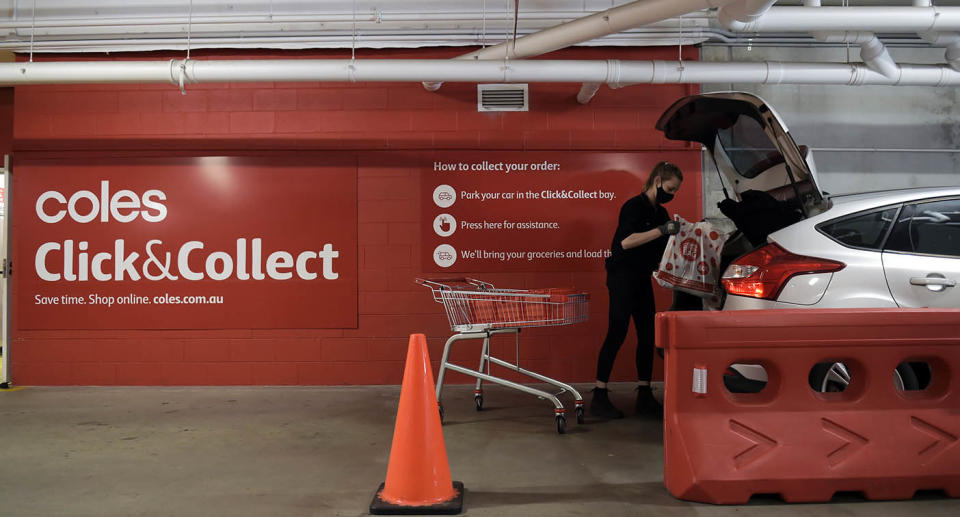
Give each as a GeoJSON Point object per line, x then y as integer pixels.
{"type": "Point", "coordinates": [637, 248]}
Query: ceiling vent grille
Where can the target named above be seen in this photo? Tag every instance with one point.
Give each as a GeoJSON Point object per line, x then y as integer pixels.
{"type": "Point", "coordinates": [502, 97]}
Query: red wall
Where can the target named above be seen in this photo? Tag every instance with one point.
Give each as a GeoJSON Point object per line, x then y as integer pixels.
{"type": "Point", "coordinates": [373, 121]}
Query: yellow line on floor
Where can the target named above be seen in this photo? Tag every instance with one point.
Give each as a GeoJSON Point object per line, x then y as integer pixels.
{"type": "Point", "coordinates": [18, 388]}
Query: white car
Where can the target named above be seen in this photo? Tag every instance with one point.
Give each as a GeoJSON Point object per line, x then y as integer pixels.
{"type": "Point", "coordinates": [797, 247]}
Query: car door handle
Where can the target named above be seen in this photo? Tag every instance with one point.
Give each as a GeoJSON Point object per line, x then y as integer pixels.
{"type": "Point", "coordinates": [933, 281]}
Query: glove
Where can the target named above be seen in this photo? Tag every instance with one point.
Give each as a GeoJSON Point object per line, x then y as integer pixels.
{"type": "Point", "coordinates": [669, 228]}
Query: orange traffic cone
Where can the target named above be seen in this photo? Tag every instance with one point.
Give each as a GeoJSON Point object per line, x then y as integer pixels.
{"type": "Point", "coordinates": [418, 475]}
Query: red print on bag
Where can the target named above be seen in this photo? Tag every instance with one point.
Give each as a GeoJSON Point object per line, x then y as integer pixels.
{"type": "Point", "coordinates": [703, 268]}
{"type": "Point", "coordinates": [690, 249]}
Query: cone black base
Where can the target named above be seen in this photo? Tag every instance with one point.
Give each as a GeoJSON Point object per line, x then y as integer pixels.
{"type": "Point", "coordinates": [452, 507]}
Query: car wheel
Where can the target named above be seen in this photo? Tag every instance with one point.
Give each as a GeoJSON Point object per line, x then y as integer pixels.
{"type": "Point", "coordinates": [835, 377]}
{"type": "Point", "coordinates": [829, 377]}
{"type": "Point", "coordinates": [905, 378]}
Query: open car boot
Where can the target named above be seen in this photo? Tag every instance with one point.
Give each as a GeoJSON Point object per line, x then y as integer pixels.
{"type": "Point", "coordinates": [759, 214]}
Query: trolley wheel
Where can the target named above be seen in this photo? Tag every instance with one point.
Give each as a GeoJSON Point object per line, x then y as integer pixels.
{"type": "Point", "coordinates": [561, 424]}
{"type": "Point", "coordinates": [580, 415]}
{"type": "Point", "coordinates": [478, 401]}
{"type": "Point", "coordinates": [440, 407]}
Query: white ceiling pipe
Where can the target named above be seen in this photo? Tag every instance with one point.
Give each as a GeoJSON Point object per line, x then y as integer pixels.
{"type": "Point", "coordinates": [396, 70]}
{"type": "Point", "coordinates": [874, 54]}
{"type": "Point", "coordinates": [953, 53]}
{"type": "Point", "coordinates": [611, 21]}
{"type": "Point", "coordinates": [587, 91]}
{"type": "Point", "coordinates": [951, 40]}
{"type": "Point", "coordinates": [858, 24]}
{"type": "Point", "coordinates": [627, 16]}
{"type": "Point", "coordinates": [745, 11]}
{"type": "Point", "coordinates": [742, 10]}
{"type": "Point", "coordinates": [330, 41]}
{"type": "Point", "coordinates": [494, 31]}
{"type": "Point", "coordinates": [173, 35]}
{"type": "Point", "coordinates": [876, 19]}
{"type": "Point", "coordinates": [85, 72]}
{"type": "Point", "coordinates": [872, 51]}
{"type": "Point", "coordinates": [381, 19]}
{"type": "Point", "coordinates": [770, 72]}
{"type": "Point", "coordinates": [612, 72]}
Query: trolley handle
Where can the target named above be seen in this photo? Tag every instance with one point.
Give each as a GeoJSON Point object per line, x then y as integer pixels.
{"type": "Point", "coordinates": [444, 283]}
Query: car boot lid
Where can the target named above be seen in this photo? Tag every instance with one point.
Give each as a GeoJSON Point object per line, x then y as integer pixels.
{"type": "Point", "coordinates": [748, 140]}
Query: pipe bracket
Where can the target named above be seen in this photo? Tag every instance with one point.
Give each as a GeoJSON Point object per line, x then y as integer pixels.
{"type": "Point", "coordinates": [181, 74]}
{"type": "Point", "coordinates": [614, 71]}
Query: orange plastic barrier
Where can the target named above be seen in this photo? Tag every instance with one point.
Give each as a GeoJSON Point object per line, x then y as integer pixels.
{"type": "Point", "coordinates": [722, 447]}
{"type": "Point", "coordinates": [418, 475]}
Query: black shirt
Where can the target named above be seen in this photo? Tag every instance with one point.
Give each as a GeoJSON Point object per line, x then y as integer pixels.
{"type": "Point", "coordinates": [638, 214]}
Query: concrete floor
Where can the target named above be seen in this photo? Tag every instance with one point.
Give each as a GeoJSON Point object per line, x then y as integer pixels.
{"type": "Point", "coordinates": [323, 451]}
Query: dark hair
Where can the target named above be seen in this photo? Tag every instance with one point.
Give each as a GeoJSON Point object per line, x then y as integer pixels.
{"type": "Point", "coordinates": [664, 170]}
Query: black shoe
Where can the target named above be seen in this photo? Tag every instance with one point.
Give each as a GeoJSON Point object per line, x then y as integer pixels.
{"type": "Point", "coordinates": [646, 403]}
{"type": "Point", "coordinates": [601, 406]}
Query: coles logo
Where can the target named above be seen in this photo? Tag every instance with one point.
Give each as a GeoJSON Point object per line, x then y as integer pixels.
{"type": "Point", "coordinates": [76, 262]}
{"type": "Point", "coordinates": [690, 249]}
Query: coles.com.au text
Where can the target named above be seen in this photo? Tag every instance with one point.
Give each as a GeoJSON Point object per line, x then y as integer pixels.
{"type": "Point", "coordinates": [130, 299]}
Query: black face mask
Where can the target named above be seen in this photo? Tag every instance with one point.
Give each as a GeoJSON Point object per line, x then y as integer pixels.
{"type": "Point", "coordinates": [663, 196]}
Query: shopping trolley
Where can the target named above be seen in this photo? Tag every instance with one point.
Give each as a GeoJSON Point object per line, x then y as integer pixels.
{"type": "Point", "coordinates": [478, 310]}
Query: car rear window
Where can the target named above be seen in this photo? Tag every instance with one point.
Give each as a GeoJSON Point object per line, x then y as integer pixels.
{"type": "Point", "coordinates": [931, 228]}
{"type": "Point", "coordinates": [862, 230]}
{"type": "Point", "coordinates": [750, 149]}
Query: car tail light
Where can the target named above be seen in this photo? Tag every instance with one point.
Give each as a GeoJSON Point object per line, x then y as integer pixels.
{"type": "Point", "coordinates": [763, 272]}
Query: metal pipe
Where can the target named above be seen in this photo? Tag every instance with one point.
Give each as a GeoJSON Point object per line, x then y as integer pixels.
{"type": "Point", "coordinates": [872, 18]}
{"type": "Point", "coordinates": [920, 17]}
{"type": "Point", "coordinates": [950, 40]}
{"type": "Point", "coordinates": [872, 50]}
{"type": "Point", "coordinates": [614, 73]}
{"type": "Point", "coordinates": [379, 19]}
{"type": "Point", "coordinates": [634, 14]}
{"type": "Point", "coordinates": [333, 40]}
{"type": "Point", "coordinates": [875, 55]}
{"type": "Point", "coordinates": [611, 21]}
{"type": "Point", "coordinates": [745, 11]}
{"type": "Point", "coordinates": [713, 37]}
{"type": "Point", "coordinates": [587, 91]}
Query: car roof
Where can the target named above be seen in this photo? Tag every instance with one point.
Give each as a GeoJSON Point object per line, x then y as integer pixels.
{"type": "Point", "coordinates": [852, 203]}
{"type": "Point", "coordinates": [881, 197]}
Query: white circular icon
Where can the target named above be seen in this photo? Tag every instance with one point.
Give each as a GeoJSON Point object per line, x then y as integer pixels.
{"type": "Point", "coordinates": [444, 255]}
{"type": "Point", "coordinates": [444, 196]}
{"type": "Point", "coordinates": [444, 225]}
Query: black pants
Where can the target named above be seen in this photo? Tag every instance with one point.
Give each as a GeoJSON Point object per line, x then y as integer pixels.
{"type": "Point", "coordinates": [631, 295]}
